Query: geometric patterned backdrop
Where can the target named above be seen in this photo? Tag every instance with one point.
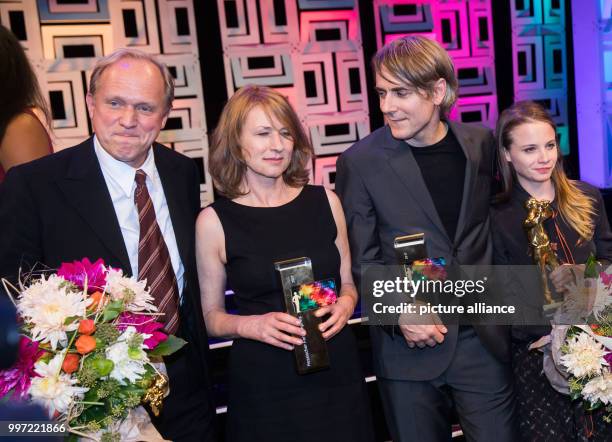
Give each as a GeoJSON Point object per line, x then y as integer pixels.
{"type": "Point", "coordinates": [64, 38]}
{"type": "Point", "coordinates": [540, 58]}
{"type": "Point", "coordinates": [465, 29]}
{"type": "Point", "coordinates": [592, 33]}
{"type": "Point", "coordinates": [311, 52]}
{"type": "Point", "coordinates": [605, 38]}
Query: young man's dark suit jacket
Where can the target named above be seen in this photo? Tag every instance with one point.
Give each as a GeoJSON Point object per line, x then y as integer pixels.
{"type": "Point", "coordinates": [384, 196]}
{"type": "Point", "coordinates": [58, 209]}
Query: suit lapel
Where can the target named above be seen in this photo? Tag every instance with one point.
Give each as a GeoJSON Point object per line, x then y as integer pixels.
{"type": "Point", "coordinates": [177, 199]}
{"type": "Point", "coordinates": [85, 189]}
{"type": "Point", "coordinates": [402, 162]}
{"type": "Point", "coordinates": [472, 156]}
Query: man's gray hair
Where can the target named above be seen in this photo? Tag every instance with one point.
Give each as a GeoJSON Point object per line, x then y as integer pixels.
{"type": "Point", "coordinates": [133, 54]}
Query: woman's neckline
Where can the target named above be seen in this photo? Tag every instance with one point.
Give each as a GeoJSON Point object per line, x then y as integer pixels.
{"type": "Point", "coordinates": [291, 201]}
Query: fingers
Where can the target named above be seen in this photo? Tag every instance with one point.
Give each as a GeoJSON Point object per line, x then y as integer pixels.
{"type": "Point", "coordinates": [438, 338]}
{"type": "Point", "coordinates": [289, 328]}
{"type": "Point", "coordinates": [435, 335]}
{"type": "Point", "coordinates": [333, 319]}
{"type": "Point", "coordinates": [337, 326]}
{"type": "Point", "coordinates": [278, 343]}
{"type": "Point", "coordinates": [323, 311]}
{"type": "Point", "coordinates": [441, 328]}
{"type": "Point", "coordinates": [334, 323]}
{"type": "Point", "coordinates": [287, 318]}
{"type": "Point", "coordinates": [282, 330]}
{"type": "Point", "coordinates": [423, 335]}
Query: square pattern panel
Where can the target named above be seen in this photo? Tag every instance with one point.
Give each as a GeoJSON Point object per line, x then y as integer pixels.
{"type": "Point", "coordinates": [64, 39]}
{"type": "Point", "coordinates": [465, 29]}
{"type": "Point", "coordinates": [311, 52]}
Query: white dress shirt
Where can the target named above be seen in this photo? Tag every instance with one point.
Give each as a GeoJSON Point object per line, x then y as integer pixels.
{"type": "Point", "coordinates": [121, 184]}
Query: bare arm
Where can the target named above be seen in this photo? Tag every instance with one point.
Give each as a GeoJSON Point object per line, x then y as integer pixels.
{"type": "Point", "coordinates": [274, 328]}
{"type": "Point", "coordinates": [25, 140]}
{"type": "Point", "coordinates": [345, 306]}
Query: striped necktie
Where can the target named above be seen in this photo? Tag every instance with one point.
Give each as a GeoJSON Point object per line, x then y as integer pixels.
{"type": "Point", "coordinates": [154, 262]}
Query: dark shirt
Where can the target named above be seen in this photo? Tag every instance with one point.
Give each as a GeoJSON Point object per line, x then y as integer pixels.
{"type": "Point", "coordinates": [443, 168]}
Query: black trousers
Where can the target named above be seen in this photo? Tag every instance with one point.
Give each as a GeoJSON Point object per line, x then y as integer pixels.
{"type": "Point", "coordinates": [475, 383]}
{"type": "Point", "coordinates": [188, 413]}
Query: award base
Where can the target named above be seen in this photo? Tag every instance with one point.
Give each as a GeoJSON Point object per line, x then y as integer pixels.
{"type": "Point", "coordinates": [312, 354]}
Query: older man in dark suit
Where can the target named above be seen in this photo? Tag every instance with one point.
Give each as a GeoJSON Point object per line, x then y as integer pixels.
{"type": "Point", "coordinates": [422, 174]}
{"type": "Point", "coordinates": [124, 198]}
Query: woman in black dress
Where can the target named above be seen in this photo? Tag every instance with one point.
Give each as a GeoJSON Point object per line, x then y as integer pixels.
{"type": "Point", "coordinates": [530, 164]}
{"type": "Point", "coordinates": [258, 163]}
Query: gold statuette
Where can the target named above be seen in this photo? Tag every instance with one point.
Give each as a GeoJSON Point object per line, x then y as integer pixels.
{"type": "Point", "coordinates": [543, 254]}
{"type": "Point", "coordinates": [155, 393]}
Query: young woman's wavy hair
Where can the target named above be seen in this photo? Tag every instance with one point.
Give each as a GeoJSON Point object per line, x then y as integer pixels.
{"type": "Point", "coordinates": [576, 208]}
{"type": "Point", "coordinates": [19, 87]}
{"type": "Point", "coordinates": [226, 162]}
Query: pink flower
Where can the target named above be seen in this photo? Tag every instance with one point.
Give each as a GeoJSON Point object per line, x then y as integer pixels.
{"type": "Point", "coordinates": [19, 376]}
{"type": "Point", "coordinates": [143, 324]}
{"type": "Point", "coordinates": [606, 279]}
{"type": "Point", "coordinates": [608, 359]}
{"type": "Point", "coordinates": [80, 271]}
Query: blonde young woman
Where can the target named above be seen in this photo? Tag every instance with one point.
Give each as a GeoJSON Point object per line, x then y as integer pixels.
{"type": "Point", "coordinates": [258, 162]}
{"type": "Point", "coordinates": [531, 165]}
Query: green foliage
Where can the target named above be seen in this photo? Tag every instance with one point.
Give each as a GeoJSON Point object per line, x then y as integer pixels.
{"type": "Point", "coordinates": [133, 399]}
{"type": "Point", "coordinates": [591, 269]}
{"type": "Point", "coordinates": [135, 342]}
{"type": "Point", "coordinates": [108, 388]}
{"type": "Point", "coordinates": [69, 286]}
{"type": "Point", "coordinates": [169, 346]}
{"type": "Point", "coordinates": [102, 365]}
{"type": "Point", "coordinates": [87, 375]}
{"type": "Point", "coordinates": [110, 437]}
{"type": "Point", "coordinates": [93, 426]}
{"type": "Point", "coordinates": [70, 319]}
{"type": "Point", "coordinates": [128, 296]}
{"type": "Point", "coordinates": [107, 333]}
{"type": "Point", "coordinates": [575, 388]}
{"type": "Point", "coordinates": [112, 310]}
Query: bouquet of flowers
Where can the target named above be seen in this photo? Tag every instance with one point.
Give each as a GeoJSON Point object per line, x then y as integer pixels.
{"type": "Point", "coordinates": [586, 354]}
{"type": "Point", "coordinates": [91, 350]}
{"type": "Point", "coordinates": [582, 353]}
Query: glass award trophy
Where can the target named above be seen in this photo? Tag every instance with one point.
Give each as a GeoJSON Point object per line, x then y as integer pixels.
{"type": "Point", "coordinates": [408, 249]}
{"type": "Point", "coordinates": [297, 278]}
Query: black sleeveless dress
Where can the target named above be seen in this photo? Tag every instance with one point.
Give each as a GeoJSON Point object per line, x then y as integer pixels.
{"type": "Point", "coordinates": [268, 400]}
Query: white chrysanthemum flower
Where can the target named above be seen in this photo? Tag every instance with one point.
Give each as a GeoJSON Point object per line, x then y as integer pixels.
{"type": "Point", "coordinates": [47, 304]}
{"type": "Point", "coordinates": [129, 363]}
{"type": "Point", "coordinates": [599, 388]}
{"type": "Point", "coordinates": [53, 390]}
{"type": "Point", "coordinates": [134, 292]}
{"type": "Point", "coordinates": [585, 356]}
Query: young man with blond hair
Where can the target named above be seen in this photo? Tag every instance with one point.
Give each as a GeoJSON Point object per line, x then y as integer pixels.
{"type": "Point", "coordinates": [421, 173]}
